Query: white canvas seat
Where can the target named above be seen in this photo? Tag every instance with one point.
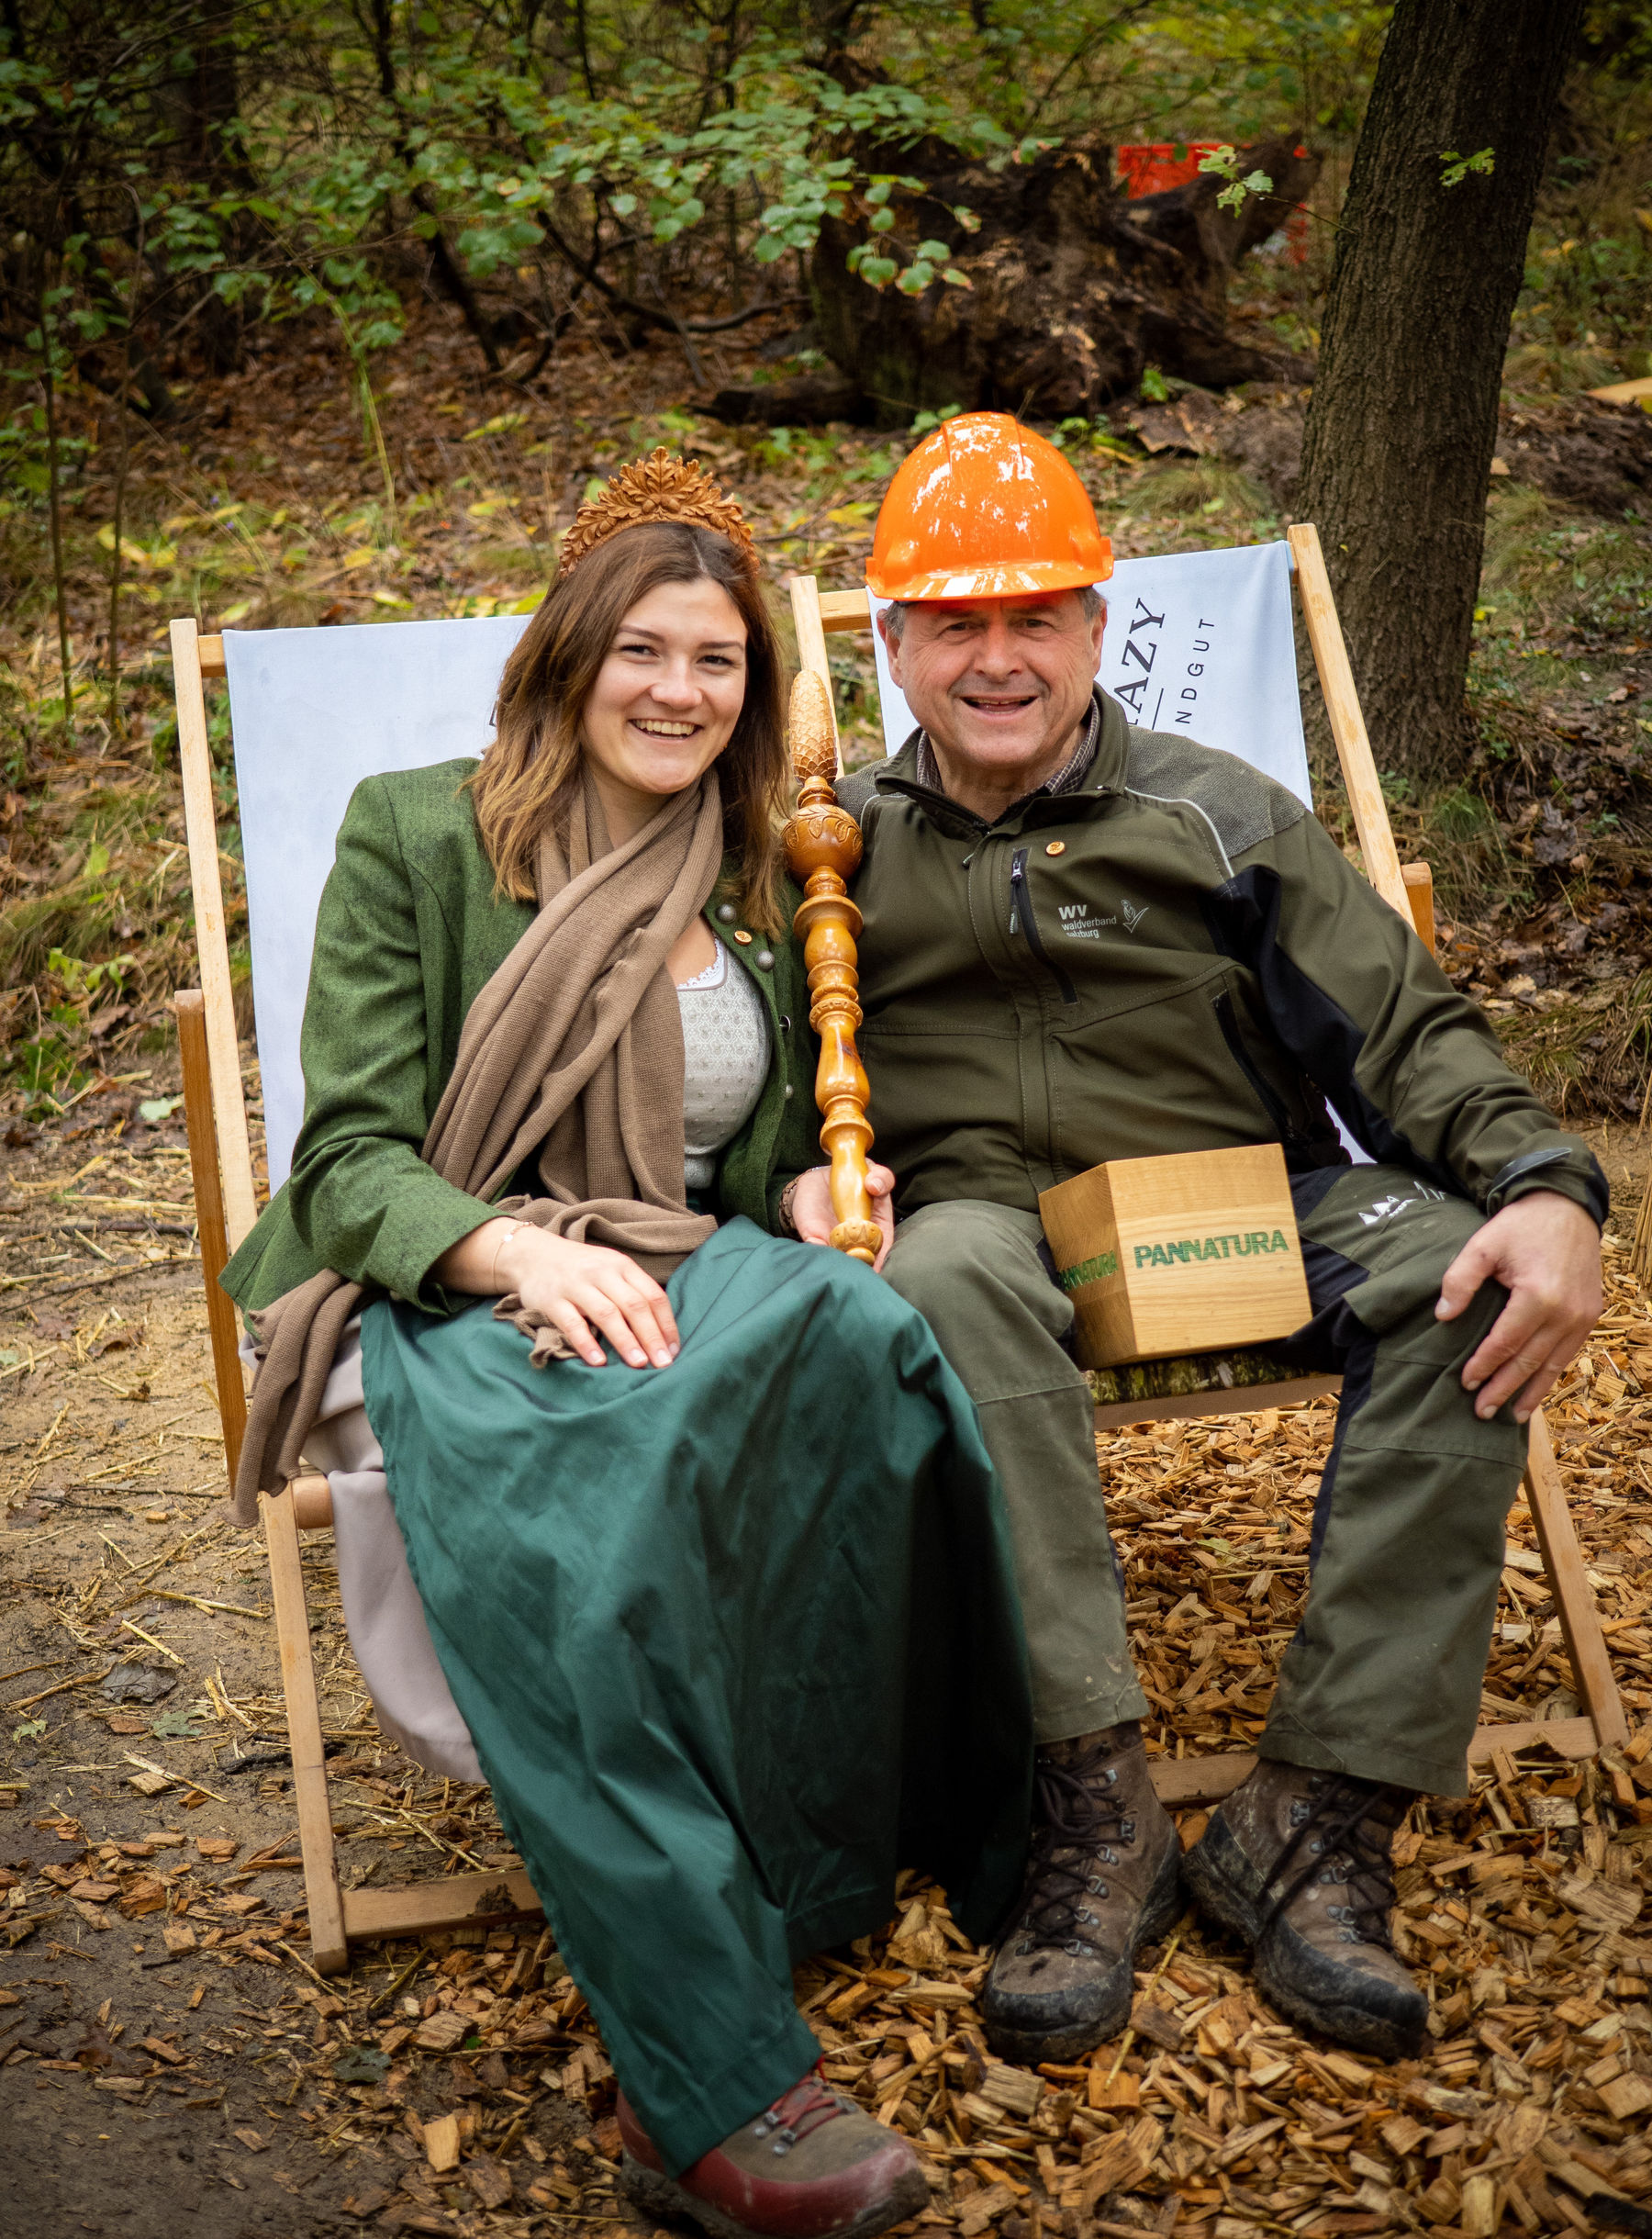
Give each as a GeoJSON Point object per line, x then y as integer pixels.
{"type": "Point", "coordinates": [314, 711]}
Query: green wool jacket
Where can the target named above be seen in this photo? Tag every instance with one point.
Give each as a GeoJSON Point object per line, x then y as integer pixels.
{"type": "Point", "coordinates": [410, 931]}
{"type": "Point", "coordinates": [1173, 957]}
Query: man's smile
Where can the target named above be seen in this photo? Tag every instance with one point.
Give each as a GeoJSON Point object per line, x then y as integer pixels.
{"type": "Point", "coordinates": [998, 704]}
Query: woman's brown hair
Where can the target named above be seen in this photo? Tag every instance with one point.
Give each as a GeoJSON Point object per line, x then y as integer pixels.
{"type": "Point", "coordinates": [526, 775]}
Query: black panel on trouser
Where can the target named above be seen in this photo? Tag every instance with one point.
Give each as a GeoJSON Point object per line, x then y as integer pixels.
{"type": "Point", "coordinates": [1243, 919]}
{"type": "Point", "coordinates": [1321, 1344]}
{"type": "Point", "coordinates": [1360, 1362]}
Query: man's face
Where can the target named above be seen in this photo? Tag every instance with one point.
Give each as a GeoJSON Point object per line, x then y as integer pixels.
{"type": "Point", "coordinates": [1000, 684]}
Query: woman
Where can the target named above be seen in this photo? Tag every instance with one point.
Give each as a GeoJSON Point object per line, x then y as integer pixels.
{"type": "Point", "coordinates": [703, 1530]}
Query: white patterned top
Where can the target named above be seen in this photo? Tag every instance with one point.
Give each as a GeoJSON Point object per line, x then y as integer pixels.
{"type": "Point", "coordinates": [725, 1061]}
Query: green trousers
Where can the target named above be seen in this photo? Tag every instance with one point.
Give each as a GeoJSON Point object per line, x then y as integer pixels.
{"type": "Point", "coordinates": [1383, 1678]}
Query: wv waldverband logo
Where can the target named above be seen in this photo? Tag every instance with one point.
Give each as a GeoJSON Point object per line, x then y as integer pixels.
{"type": "Point", "coordinates": [1079, 920]}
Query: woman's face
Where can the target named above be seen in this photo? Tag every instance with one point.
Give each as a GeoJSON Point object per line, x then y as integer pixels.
{"type": "Point", "coordinates": [667, 699]}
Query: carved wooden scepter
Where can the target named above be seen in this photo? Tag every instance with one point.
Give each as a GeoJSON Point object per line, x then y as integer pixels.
{"type": "Point", "coordinates": [823, 850]}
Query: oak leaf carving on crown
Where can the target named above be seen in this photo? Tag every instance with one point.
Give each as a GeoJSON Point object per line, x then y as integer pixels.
{"type": "Point", "coordinates": [659, 488]}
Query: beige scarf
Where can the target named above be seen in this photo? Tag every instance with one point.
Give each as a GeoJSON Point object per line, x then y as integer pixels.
{"type": "Point", "coordinates": [573, 1050]}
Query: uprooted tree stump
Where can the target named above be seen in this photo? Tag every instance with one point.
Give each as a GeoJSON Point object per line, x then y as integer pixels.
{"type": "Point", "coordinates": [1074, 289]}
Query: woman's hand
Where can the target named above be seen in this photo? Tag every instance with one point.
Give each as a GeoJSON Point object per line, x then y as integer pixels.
{"type": "Point", "coordinates": [577, 1288]}
{"type": "Point", "coordinates": [814, 1219]}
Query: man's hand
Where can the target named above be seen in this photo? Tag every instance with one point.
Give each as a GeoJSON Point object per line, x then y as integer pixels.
{"type": "Point", "coordinates": [811, 1206]}
{"type": "Point", "coordinates": [1545, 1252]}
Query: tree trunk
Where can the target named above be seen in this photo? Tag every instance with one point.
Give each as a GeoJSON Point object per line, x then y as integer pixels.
{"type": "Point", "coordinates": [1397, 454]}
{"type": "Point", "coordinates": [213, 154]}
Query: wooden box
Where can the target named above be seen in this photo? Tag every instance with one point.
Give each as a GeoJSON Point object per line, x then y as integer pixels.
{"type": "Point", "coordinates": [1190, 1254]}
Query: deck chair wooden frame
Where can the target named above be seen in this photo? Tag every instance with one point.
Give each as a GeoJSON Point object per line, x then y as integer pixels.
{"type": "Point", "coordinates": [226, 1205]}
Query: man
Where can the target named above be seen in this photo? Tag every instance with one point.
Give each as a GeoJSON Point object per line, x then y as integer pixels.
{"type": "Point", "coordinates": [1235, 973]}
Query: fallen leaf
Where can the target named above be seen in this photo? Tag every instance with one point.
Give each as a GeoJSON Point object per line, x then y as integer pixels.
{"type": "Point", "coordinates": [137, 1682]}
{"type": "Point", "coordinates": [362, 2064]}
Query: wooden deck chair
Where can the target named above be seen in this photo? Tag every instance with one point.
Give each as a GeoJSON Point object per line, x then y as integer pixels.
{"type": "Point", "coordinates": [307, 730]}
{"type": "Point", "coordinates": [281, 875]}
{"type": "Point", "coordinates": [1157, 660]}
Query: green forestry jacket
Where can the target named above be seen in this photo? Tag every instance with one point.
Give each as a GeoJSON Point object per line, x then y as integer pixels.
{"type": "Point", "coordinates": [1173, 957]}
{"type": "Point", "coordinates": [410, 931]}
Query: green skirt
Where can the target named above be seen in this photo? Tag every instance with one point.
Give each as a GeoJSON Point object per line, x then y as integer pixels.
{"type": "Point", "coordinates": [735, 1640]}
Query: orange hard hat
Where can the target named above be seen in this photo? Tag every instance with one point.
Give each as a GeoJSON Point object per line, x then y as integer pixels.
{"type": "Point", "coordinates": [984, 509]}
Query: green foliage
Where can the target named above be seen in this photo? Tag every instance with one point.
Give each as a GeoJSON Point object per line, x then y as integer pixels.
{"type": "Point", "coordinates": [1224, 163]}
{"type": "Point", "coordinates": [304, 156]}
{"type": "Point", "coordinates": [1483, 162]}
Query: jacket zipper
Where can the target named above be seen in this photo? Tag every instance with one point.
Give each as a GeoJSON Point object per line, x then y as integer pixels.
{"type": "Point", "coordinates": [1020, 912]}
{"type": "Point", "coordinates": [1267, 1096]}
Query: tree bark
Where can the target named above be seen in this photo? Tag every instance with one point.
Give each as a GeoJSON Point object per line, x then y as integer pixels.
{"type": "Point", "coordinates": [454, 279]}
{"type": "Point", "coordinates": [1397, 453]}
{"type": "Point", "coordinates": [213, 153]}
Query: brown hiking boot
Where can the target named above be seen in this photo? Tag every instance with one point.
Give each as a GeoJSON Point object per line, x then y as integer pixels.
{"type": "Point", "coordinates": [1297, 1864]}
{"type": "Point", "coordinates": [813, 2166]}
{"type": "Point", "coordinates": [1103, 1879]}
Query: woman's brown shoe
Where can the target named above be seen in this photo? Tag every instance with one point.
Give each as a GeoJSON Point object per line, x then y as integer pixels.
{"type": "Point", "coordinates": [813, 2166]}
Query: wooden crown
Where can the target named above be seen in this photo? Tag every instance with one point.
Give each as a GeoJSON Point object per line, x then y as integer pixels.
{"type": "Point", "coordinates": [659, 488]}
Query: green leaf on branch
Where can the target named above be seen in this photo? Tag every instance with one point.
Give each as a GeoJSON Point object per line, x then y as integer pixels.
{"type": "Point", "coordinates": [1483, 161]}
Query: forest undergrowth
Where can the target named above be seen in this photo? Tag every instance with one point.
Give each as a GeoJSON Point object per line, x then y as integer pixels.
{"type": "Point", "coordinates": [290, 495]}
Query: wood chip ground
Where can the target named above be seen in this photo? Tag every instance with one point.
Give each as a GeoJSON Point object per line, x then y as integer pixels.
{"type": "Point", "coordinates": [153, 1954]}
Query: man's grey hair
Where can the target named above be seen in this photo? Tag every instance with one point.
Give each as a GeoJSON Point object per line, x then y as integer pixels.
{"type": "Point", "coordinates": [895, 613]}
